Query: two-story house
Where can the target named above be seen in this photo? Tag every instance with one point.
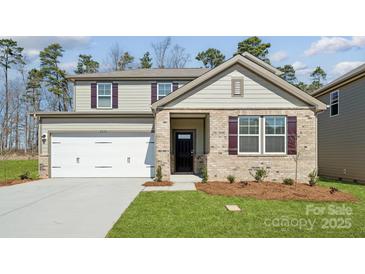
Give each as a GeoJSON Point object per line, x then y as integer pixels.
{"type": "Point", "coordinates": [230, 119]}
{"type": "Point", "coordinates": [341, 134]}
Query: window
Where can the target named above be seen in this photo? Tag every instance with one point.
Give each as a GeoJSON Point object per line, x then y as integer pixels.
{"type": "Point", "coordinates": [237, 86]}
{"type": "Point", "coordinates": [163, 89]}
{"type": "Point", "coordinates": [104, 95]}
{"type": "Point", "coordinates": [334, 102]}
{"type": "Point", "coordinates": [275, 134]}
{"type": "Point", "coordinates": [249, 135]}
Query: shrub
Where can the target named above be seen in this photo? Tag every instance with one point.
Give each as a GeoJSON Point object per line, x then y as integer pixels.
{"type": "Point", "coordinates": [25, 175]}
{"type": "Point", "coordinates": [243, 183]}
{"type": "Point", "coordinates": [288, 181]}
{"type": "Point", "coordinates": [260, 174]}
{"type": "Point", "coordinates": [333, 189]}
{"type": "Point", "coordinates": [158, 177]}
{"type": "Point", "coordinates": [313, 178]}
{"type": "Point", "coordinates": [204, 174]}
{"type": "Point", "coordinates": [231, 179]}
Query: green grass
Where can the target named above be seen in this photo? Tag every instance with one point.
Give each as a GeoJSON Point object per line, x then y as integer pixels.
{"type": "Point", "coordinates": [11, 169]}
{"type": "Point", "coordinates": [196, 214]}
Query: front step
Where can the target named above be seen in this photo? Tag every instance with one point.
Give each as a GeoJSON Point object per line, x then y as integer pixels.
{"type": "Point", "coordinates": [185, 178]}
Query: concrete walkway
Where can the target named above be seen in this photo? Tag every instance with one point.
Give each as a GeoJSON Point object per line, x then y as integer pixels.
{"type": "Point", "coordinates": [67, 207]}
{"type": "Point", "coordinates": [174, 187]}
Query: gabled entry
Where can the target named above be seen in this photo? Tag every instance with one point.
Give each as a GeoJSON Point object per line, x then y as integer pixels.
{"type": "Point", "coordinates": [184, 151]}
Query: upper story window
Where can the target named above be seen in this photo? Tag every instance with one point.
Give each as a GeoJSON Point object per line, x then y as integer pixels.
{"type": "Point", "coordinates": [249, 135]}
{"type": "Point", "coordinates": [334, 103]}
{"type": "Point", "coordinates": [237, 86]}
{"type": "Point", "coordinates": [275, 134]}
{"type": "Point", "coordinates": [104, 95]}
{"type": "Point", "coordinates": [163, 89]}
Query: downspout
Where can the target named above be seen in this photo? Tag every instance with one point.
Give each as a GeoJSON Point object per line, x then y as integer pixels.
{"type": "Point", "coordinates": [316, 136]}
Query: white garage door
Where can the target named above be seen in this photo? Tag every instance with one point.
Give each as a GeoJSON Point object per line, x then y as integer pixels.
{"type": "Point", "coordinates": [102, 155]}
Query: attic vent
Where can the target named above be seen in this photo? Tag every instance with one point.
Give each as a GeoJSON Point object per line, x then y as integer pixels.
{"type": "Point", "coordinates": [237, 86]}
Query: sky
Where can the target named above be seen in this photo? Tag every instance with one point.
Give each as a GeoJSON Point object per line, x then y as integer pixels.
{"type": "Point", "coordinates": [336, 55]}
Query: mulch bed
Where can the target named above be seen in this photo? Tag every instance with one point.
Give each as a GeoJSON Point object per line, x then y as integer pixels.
{"type": "Point", "coordinates": [275, 191]}
{"type": "Point", "coordinates": [163, 183]}
{"type": "Point", "coordinates": [14, 182]}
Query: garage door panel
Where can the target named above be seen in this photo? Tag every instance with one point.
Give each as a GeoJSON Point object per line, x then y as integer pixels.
{"type": "Point", "coordinates": [102, 155]}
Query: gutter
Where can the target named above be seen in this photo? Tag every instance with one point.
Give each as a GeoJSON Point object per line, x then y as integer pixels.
{"type": "Point", "coordinates": [92, 114]}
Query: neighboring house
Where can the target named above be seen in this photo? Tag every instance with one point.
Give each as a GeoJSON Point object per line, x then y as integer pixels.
{"type": "Point", "coordinates": [341, 128]}
{"type": "Point", "coordinates": [235, 117]}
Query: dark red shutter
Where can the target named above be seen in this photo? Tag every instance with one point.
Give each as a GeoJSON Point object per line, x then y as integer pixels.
{"type": "Point", "coordinates": [153, 92]}
{"type": "Point", "coordinates": [93, 95]}
{"type": "Point", "coordinates": [175, 86]}
{"type": "Point", "coordinates": [232, 135]}
{"type": "Point", "coordinates": [292, 135]}
{"type": "Point", "coordinates": [115, 95]}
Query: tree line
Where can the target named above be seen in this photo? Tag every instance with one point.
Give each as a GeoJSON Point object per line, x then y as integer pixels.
{"type": "Point", "coordinates": [45, 88]}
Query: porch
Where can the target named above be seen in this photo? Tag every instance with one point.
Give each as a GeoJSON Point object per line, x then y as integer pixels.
{"type": "Point", "coordinates": [182, 145]}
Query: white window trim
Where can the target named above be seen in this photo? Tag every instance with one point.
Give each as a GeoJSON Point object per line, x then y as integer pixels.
{"type": "Point", "coordinates": [158, 89]}
{"type": "Point", "coordinates": [238, 136]}
{"type": "Point", "coordinates": [284, 135]}
{"type": "Point", "coordinates": [111, 95]}
{"type": "Point", "coordinates": [338, 103]}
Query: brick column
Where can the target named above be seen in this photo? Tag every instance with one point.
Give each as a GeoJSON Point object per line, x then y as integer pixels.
{"type": "Point", "coordinates": [162, 143]}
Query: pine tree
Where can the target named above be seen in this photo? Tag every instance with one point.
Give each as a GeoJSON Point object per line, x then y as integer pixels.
{"type": "Point", "coordinates": [10, 55]}
{"type": "Point", "coordinates": [254, 46]}
{"type": "Point", "coordinates": [54, 77]}
{"type": "Point", "coordinates": [211, 57]}
{"type": "Point", "coordinates": [125, 60]}
{"type": "Point", "coordinates": [86, 64]}
{"type": "Point", "coordinates": [146, 61]}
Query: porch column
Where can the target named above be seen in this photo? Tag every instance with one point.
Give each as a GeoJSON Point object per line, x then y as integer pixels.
{"type": "Point", "coordinates": [162, 143]}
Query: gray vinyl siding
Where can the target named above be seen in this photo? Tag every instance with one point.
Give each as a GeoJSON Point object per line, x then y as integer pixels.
{"type": "Point", "coordinates": [49, 125]}
{"type": "Point", "coordinates": [132, 96]}
{"type": "Point", "coordinates": [341, 139]}
{"type": "Point", "coordinates": [217, 93]}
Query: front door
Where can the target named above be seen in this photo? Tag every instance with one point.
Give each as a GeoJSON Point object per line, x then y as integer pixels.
{"type": "Point", "coordinates": [184, 151]}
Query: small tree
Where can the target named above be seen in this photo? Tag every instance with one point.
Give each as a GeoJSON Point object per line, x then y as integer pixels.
{"type": "Point", "coordinates": [158, 177]}
{"type": "Point", "coordinates": [313, 178]}
{"type": "Point", "coordinates": [204, 174]}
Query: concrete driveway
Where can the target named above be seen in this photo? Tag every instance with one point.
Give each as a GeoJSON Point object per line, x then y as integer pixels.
{"type": "Point", "coordinates": [67, 207]}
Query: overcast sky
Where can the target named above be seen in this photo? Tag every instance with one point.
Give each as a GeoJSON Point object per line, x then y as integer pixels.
{"type": "Point", "coordinates": [337, 55]}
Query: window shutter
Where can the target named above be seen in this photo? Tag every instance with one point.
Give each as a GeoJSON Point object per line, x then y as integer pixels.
{"type": "Point", "coordinates": [153, 92]}
{"type": "Point", "coordinates": [232, 135]}
{"type": "Point", "coordinates": [292, 135]}
{"type": "Point", "coordinates": [115, 95]}
{"type": "Point", "coordinates": [93, 95]}
{"type": "Point", "coordinates": [175, 86]}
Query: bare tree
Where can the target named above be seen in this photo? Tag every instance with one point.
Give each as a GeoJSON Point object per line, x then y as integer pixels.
{"type": "Point", "coordinates": [160, 51]}
{"type": "Point", "coordinates": [178, 57]}
{"type": "Point", "coordinates": [115, 53]}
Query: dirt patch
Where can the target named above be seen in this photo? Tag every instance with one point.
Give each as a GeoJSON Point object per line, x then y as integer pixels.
{"type": "Point", "coordinates": [14, 182]}
{"type": "Point", "coordinates": [275, 191]}
{"type": "Point", "coordinates": [163, 183]}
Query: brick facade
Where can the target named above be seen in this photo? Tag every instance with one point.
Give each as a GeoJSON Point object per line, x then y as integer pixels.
{"type": "Point", "coordinates": [220, 164]}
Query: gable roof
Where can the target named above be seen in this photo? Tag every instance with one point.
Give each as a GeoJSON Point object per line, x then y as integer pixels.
{"type": "Point", "coordinates": [341, 81]}
{"type": "Point", "coordinates": [252, 63]}
{"type": "Point", "coordinates": [154, 73]}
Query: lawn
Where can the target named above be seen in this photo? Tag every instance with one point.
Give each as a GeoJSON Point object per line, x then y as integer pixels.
{"type": "Point", "coordinates": [11, 169]}
{"type": "Point", "coordinates": [197, 214]}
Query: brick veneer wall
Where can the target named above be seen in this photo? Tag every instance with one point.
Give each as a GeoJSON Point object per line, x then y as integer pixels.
{"type": "Point", "coordinates": [220, 164]}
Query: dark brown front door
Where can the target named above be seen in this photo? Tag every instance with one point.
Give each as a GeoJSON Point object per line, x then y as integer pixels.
{"type": "Point", "coordinates": [184, 151]}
